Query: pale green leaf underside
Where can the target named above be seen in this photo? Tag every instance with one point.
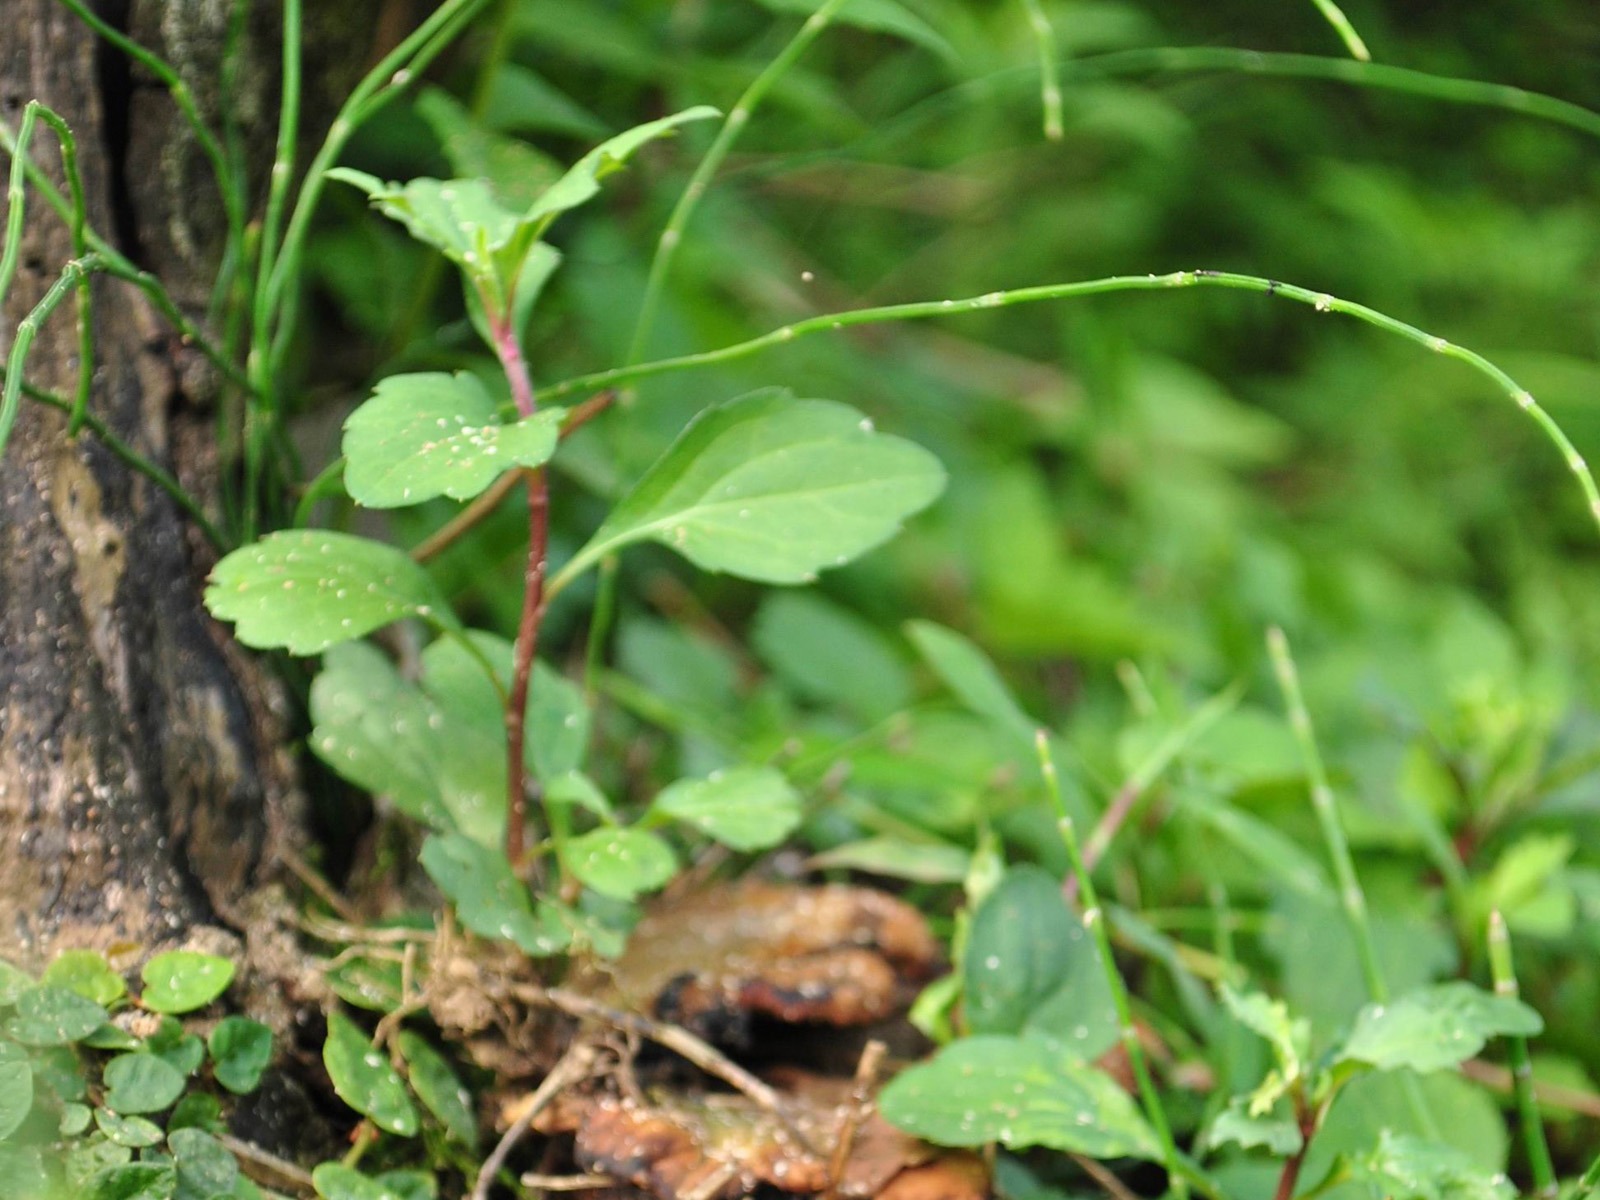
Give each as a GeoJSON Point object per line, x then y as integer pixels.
{"type": "Point", "coordinates": [461, 218]}
{"type": "Point", "coordinates": [1435, 1027]}
{"type": "Point", "coordinates": [1019, 1092]}
{"type": "Point", "coordinates": [304, 590]}
{"type": "Point", "coordinates": [773, 489]}
{"type": "Point", "coordinates": [430, 434]}
{"type": "Point", "coordinates": [747, 808]}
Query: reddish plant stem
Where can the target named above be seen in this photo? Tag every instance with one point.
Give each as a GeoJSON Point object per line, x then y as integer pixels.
{"type": "Point", "coordinates": [516, 369]}
{"type": "Point", "coordinates": [1308, 1119]}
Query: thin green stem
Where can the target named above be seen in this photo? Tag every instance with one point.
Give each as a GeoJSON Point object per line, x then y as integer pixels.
{"type": "Point", "coordinates": [1334, 15]}
{"type": "Point", "coordinates": [600, 621]}
{"type": "Point", "coordinates": [27, 330]}
{"type": "Point", "coordinates": [232, 198]}
{"type": "Point", "coordinates": [329, 480]}
{"type": "Point", "coordinates": [1179, 60]}
{"type": "Point", "coordinates": [115, 264]}
{"type": "Point", "coordinates": [732, 125]}
{"type": "Point", "coordinates": [1094, 921]}
{"type": "Point", "coordinates": [1504, 972]}
{"type": "Point", "coordinates": [156, 474]}
{"type": "Point", "coordinates": [80, 247]}
{"type": "Point", "coordinates": [16, 196]}
{"type": "Point", "coordinates": [1320, 302]}
{"type": "Point", "coordinates": [282, 172]}
{"type": "Point", "coordinates": [380, 85]}
{"type": "Point", "coordinates": [1351, 897]}
{"type": "Point", "coordinates": [1044, 38]}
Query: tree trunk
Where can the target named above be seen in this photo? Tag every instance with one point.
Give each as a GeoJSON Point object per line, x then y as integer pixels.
{"type": "Point", "coordinates": [143, 789]}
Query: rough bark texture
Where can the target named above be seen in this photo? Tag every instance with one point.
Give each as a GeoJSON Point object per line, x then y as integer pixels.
{"type": "Point", "coordinates": [142, 787]}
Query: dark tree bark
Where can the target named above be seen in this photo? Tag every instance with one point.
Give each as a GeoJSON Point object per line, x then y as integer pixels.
{"type": "Point", "coordinates": [144, 794]}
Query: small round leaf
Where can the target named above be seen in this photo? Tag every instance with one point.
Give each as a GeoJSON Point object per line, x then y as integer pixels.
{"type": "Point", "coordinates": [240, 1051]}
{"type": "Point", "coordinates": [141, 1083]}
{"type": "Point", "coordinates": [53, 1016]}
{"type": "Point", "coordinates": [621, 863]}
{"type": "Point", "coordinates": [181, 981]}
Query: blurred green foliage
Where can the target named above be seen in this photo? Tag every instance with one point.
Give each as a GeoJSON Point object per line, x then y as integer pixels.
{"type": "Point", "coordinates": [1140, 486]}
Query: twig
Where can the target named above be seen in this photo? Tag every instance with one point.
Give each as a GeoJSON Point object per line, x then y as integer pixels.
{"type": "Point", "coordinates": [265, 1167]}
{"type": "Point", "coordinates": [1113, 1186]}
{"type": "Point", "coordinates": [566, 1183]}
{"type": "Point", "coordinates": [675, 1038]}
{"type": "Point", "coordinates": [575, 1064]}
{"type": "Point", "coordinates": [1555, 1095]}
{"type": "Point", "coordinates": [488, 500]}
{"type": "Point", "coordinates": [860, 1098]}
{"type": "Point", "coordinates": [320, 887]}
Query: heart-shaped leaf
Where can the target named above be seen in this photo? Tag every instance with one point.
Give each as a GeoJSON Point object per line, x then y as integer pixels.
{"type": "Point", "coordinates": [87, 973]}
{"type": "Point", "coordinates": [430, 434]}
{"type": "Point", "coordinates": [620, 863]}
{"type": "Point", "coordinates": [240, 1051]}
{"type": "Point", "coordinates": [206, 1168]}
{"type": "Point", "coordinates": [181, 981]}
{"type": "Point", "coordinates": [53, 1016]}
{"type": "Point", "coordinates": [133, 1132]}
{"type": "Point", "coordinates": [141, 1083]}
{"type": "Point", "coordinates": [772, 488]}
{"type": "Point", "coordinates": [1019, 1092]}
{"type": "Point", "coordinates": [303, 590]}
{"type": "Point", "coordinates": [1435, 1027]}
{"type": "Point", "coordinates": [748, 808]}
{"type": "Point", "coordinates": [489, 899]}
{"type": "Point", "coordinates": [364, 1079]}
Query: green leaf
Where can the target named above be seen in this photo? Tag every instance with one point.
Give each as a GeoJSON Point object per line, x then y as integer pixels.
{"type": "Point", "coordinates": [1019, 1092]}
{"type": "Point", "coordinates": [430, 434]}
{"type": "Point", "coordinates": [829, 655]}
{"type": "Point", "coordinates": [134, 1181]}
{"type": "Point", "coordinates": [972, 676]}
{"type": "Point", "coordinates": [438, 1087]}
{"type": "Point", "coordinates": [369, 983]}
{"type": "Point", "coordinates": [196, 1110]}
{"type": "Point", "coordinates": [488, 898]}
{"type": "Point", "coordinates": [13, 982]}
{"type": "Point", "coordinates": [1237, 1125]}
{"type": "Point", "coordinates": [179, 1047]}
{"type": "Point", "coordinates": [53, 1016]}
{"type": "Point", "coordinates": [516, 171]}
{"type": "Point", "coordinates": [896, 858]}
{"type": "Point", "coordinates": [1267, 1018]}
{"type": "Point", "coordinates": [335, 1181]}
{"type": "Point", "coordinates": [181, 981]}
{"type": "Point", "coordinates": [1412, 1168]}
{"type": "Point", "coordinates": [304, 590]}
{"type": "Point", "coordinates": [16, 1088]}
{"type": "Point", "coordinates": [133, 1132]}
{"type": "Point", "coordinates": [747, 808]}
{"type": "Point", "coordinates": [620, 863]}
{"type": "Point", "coordinates": [240, 1051]}
{"type": "Point", "coordinates": [582, 181]}
{"type": "Point", "coordinates": [141, 1083]}
{"type": "Point", "coordinates": [461, 218]}
{"type": "Point", "coordinates": [87, 973]}
{"type": "Point", "coordinates": [1435, 1027]}
{"type": "Point", "coordinates": [75, 1118]}
{"type": "Point", "coordinates": [878, 16]}
{"type": "Point", "coordinates": [1019, 949]}
{"type": "Point", "coordinates": [429, 749]}
{"type": "Point", "coordinates": [364, 1079]}
{"type": "Point", "coordinates": [206, 1168]}
{"type": "Point", "coordinates": [771, 488]}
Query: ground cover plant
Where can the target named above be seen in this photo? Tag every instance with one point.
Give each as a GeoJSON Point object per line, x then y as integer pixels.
{"type": "Point", "coordinates": [788, 465]}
